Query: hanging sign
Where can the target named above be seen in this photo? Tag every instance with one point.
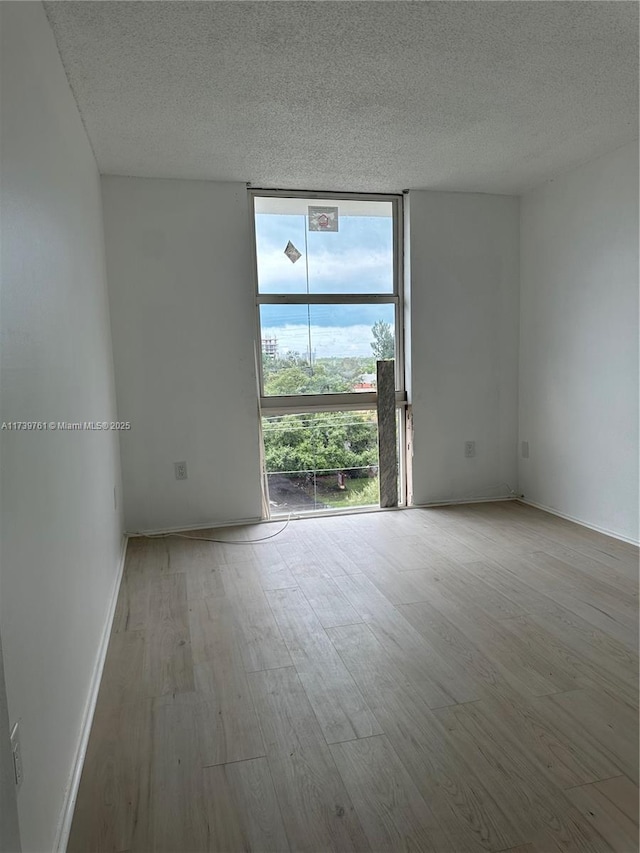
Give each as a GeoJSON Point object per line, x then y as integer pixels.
{"type": "Point", "coordinates": [292, 253]}
{"type": "Point", "coordinates": [323, 218]}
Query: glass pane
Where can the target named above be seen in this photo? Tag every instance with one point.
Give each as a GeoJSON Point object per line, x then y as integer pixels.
{"type": "Point", "coordinates": [324, 349]}
{"type": "Point", "coordinates": [347, 249]}
{"type": "Point", "coordinates": [321, 460]}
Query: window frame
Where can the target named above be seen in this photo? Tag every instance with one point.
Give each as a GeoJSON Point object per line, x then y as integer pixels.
{"type": "Point", "coordinates": [353, 400]}
{"type": "Point", "coordinates": [275, 405]}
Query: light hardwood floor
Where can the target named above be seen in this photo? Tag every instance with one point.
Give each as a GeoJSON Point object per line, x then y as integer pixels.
{"type": "Point", "coordinates": [455, 680]}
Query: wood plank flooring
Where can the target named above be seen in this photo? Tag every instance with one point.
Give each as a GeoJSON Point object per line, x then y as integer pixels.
{"type": "Point", "coordinates": [454, 680]}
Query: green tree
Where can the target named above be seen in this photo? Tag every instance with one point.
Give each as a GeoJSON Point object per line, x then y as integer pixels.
{"type": "Point", "coordinates": [383, 344]}
{"type": "Point", "coordinates": [292, 374]}
{"type": "Point", "coordinates": [288, 380]}
{"type": "Point", "coordinates": [321, 441]}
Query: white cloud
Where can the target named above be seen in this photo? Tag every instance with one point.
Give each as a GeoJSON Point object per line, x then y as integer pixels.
{"type": "Point", "coordinates": [357, 269]}
{"type": "Point", "coordinates": [326, 341]}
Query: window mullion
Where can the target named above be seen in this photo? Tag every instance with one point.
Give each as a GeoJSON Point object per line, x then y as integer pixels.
{"type": "Point", "coordinates": [326, 299]}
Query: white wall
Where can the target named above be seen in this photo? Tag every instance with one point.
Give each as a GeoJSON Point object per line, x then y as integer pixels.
{"type": "Point", "coordinates": [61, 536]}
{"type": "Point", "coordinates": [579, 343]}
{"type": "Point", "coordinates": [183, 319]}
{"type": "Point", "coordinates": [463, 292]}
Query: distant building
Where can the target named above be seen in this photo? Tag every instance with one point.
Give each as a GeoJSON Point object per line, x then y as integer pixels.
{"type": "Point", "coordinates": [270, 347]}
{"type": "Point", "coordinates": [368, 382]}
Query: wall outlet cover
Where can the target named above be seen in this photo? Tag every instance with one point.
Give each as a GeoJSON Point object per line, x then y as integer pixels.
{"type": "Point", "coordinates": [469, 448]}
{"type": "Point", "coordinates": [180, 470]}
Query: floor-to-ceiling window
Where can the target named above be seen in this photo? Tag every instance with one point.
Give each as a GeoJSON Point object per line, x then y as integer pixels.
{"type": "Point", "coordinates": [329, 307]}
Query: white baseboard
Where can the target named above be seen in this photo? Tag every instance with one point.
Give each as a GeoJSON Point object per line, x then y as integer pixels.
{"type": "Point", "coordinates": [294, 516]}
{"type": "Point", "coordinates": [463, 501]}
{"type": "Point", "coordinates": [210, 525]}
{"type": "Point", "coordinates": [580, 521]}
{"type": "Point", "coordinates": [66, 817]}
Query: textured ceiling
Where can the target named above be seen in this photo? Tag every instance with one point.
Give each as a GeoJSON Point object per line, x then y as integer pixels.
{"type": "Point", "coordinates": [362, 96]}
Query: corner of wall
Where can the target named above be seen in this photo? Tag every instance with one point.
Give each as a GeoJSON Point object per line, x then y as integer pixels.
{"type": "Point", "coordinates": [578, 353]}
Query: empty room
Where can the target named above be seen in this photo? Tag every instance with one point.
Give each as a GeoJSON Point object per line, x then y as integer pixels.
{"type": "Point", "coordinates": [319, 416]}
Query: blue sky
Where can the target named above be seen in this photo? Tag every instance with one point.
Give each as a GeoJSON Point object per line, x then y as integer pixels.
{"type": "Point", "coordinates": [358, 258]}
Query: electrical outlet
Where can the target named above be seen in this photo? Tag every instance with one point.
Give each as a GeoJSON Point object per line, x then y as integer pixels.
{"type": "Point", "coordinates": [469, 448]}
{"type": "Point", "coordinates": [525, 449]}
{"type": "Point", "coordinates": [181, 470]}
{"type": "Point", "coordinates": [115, 498]}
{"type": "Point", "coordinates": [17, 755]}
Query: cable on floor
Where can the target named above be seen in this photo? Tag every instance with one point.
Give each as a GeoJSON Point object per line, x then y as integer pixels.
{"type": "Point", "coordinates": [225, 541]}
